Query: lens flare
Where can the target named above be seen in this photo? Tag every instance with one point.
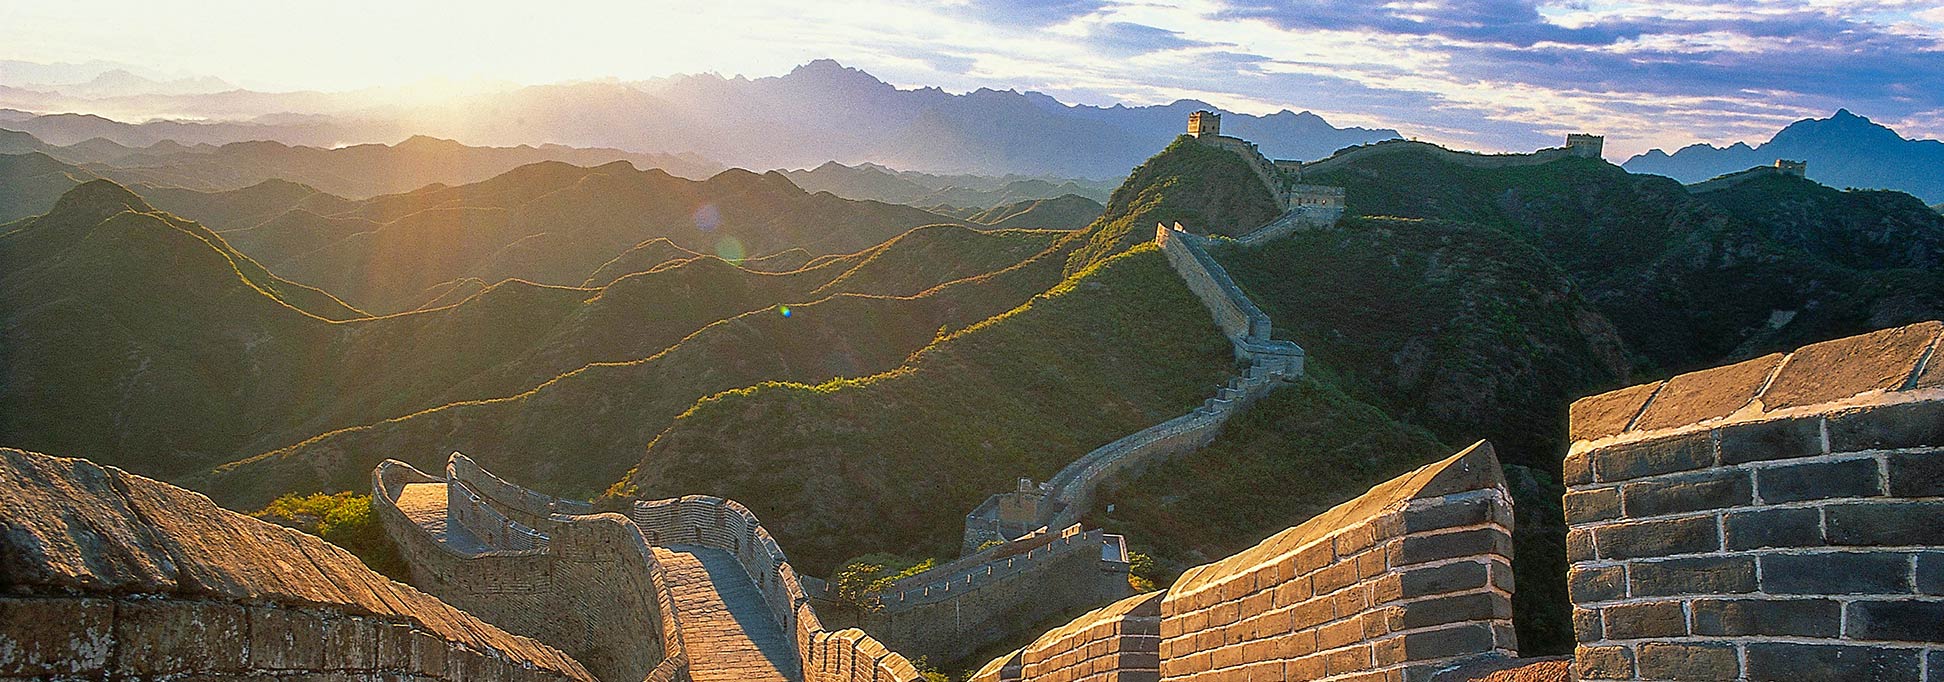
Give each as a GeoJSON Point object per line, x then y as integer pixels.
{"type": "Point", "coordinates": [783, 310]}
{"type": "Point", "coordinates": [730, 249]}
{"type": "Point", "coordinates": [707, 217]}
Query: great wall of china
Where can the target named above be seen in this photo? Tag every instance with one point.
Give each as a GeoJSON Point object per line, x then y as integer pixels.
{"type": "Point", "coordinates": [1777, 518]}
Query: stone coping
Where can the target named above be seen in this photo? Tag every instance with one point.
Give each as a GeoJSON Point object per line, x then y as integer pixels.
{"type": "Point", "coordinates": [1881, 367]}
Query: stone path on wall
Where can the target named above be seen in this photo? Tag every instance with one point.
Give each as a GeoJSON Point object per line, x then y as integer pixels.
{"type": "Point", "coordinates": [726, 626]}
{"type": "Point", "coordinates": [425, 505]}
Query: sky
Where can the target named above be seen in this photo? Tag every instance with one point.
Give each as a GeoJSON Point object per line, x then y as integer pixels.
{"type": "Point", "coordinates": [1490, 75]}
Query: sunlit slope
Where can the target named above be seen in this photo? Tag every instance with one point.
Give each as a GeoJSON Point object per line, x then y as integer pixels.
{"type": "Point", "coordinates": [893, 462]}
{"type": "Point", "coordinates": [1207, 190]}
{"type": "Point", "coordinates": [578, 433]}
{"type": "Point", "coordinates": [156, 337]}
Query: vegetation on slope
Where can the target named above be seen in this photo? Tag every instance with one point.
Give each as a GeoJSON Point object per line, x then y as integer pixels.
{"type": "Point", "coordinates": [1688, 281]}
{"type": "Point", "coordinates": [577, 433]}
{"type": "Point", "coordinates": [892, 462]}
{"type": "Point", "coordinates": [345, 519]}
{"type": "Point", "coordinates": [1207, 190]}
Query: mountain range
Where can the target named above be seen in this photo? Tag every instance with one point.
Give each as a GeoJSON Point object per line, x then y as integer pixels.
{"type": "Point", "coordinates": [1844, 150]}
{"type": "Point", "coordinates": [821, 111]}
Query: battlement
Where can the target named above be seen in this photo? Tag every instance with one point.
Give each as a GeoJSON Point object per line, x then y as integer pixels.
{"type": "Point", "coordinates": [1584, 145]}
{"type": "Point", "coordinates": [1799, 169]}
{"type": "Point", "coordinates": [1775, 518]}
{"type": "Point", "coordinates": [1409, 579]}
{"type": "Point", "coordinates": [1204, 123]}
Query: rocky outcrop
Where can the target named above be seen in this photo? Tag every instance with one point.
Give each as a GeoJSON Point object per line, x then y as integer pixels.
{"type": "Point", "coordinates": [108, 574]}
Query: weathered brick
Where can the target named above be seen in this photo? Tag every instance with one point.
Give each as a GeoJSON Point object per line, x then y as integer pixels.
{"type": "Point", "coordinates": [1579, 545]}
{"type": "Point", "coordinates": [286, 639]}
{"type": "Point", "coordinates": [1335, 577]}
{"type": "Point", "coordinates": [1644, 620]}
{"type": "Point", "coordinates": [172, 636]}
{"type": "Point", "coordinates": [1887, 427]}
{"type": "Point", "coordinates": [1930, 573]}
{"type": "Point", "coordinates": [1586, 625]}
{"type": "Point", "coordinates": [1770, 440]}
{"type": "Point", "coordinates": [1454, 514]}
{"type": "Point", "coordinates": [1604, 663]}
{"type": "Point", "coordinates": [1474, 542]}
{"type": "Point", "coordinates": [1717, 489]}
{"type": "Point", "coordinates": [1833, 370]}
{"type": "Point", "coordinates": [1790, 661]}
{"type": "Point", "coordinates": [1896, 621]}
{"type": "Point", "coordinates": [1688, 661]}
{"type": "Point", "coordinates": [1758, 528]}
{"type": "Point", "coordinates": [1455, 609]}
{"type": "Point", "coordinates": [1456, 640]}
{"type": "Point", "coordinates": [1775, 617]}
{"type": "Point", "coordinates": [1441, 579]}
{"type": "Point", "coordinates": [54, 637]}
{"type": "Point", "coordinates": [1836, 573]}
{"type": "Point", "coordinates": [1648, 458]}
{"type": "Point", "coordinates": [1894, 524]}
{"type": "Point", "coordinates": [1917, 474]}
{"type": "Point", "coordinates": [1347, 660]}
{"type": "Point", "coordinates": [1820, 481]}
{"type": "Point", "coordinates": [1667, 537]}
{"type": "Point", "coordinates": [1596, 584]}
{"type": "Point", "coordinates": [1577, 469]}
{"type": "Point", "coordinates": [1597, 504]}
{"type": "Point", "coordinates": [1694, 575]}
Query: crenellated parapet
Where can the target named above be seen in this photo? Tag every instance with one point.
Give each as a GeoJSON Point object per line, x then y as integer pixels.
{"type": "Point", "coordinates": [1778, 518]}
{"type": "Point", "coordinates": [1410, 579]}
{"type": "Point", "coordinates": [585, 584]}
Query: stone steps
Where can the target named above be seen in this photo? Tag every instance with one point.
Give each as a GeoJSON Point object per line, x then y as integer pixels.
{"type": "Point", "coordinates": [727, 628]}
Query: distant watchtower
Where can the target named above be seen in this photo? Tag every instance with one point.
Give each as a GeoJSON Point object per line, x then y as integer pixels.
{"type": "Point", "coordinates": [1205, 123]}
{"type": "Point", "coordinates": [1799, 169]}
{"type": "Point", "coordinates": [1584, 145]}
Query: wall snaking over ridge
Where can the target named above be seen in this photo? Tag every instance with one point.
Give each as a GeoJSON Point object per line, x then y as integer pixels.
{"type": "Point", "coordinates": [1780, 518]}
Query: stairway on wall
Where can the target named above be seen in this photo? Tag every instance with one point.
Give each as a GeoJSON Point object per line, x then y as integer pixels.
{"type": "Point", "coordinates": [726, 627]}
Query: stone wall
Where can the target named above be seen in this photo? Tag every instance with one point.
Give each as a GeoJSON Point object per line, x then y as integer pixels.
{"type": "Point", "coordinates": [1726, 181]}
{"type": "Point", "coordinates": [844, 656]}
{"type": "Point", "coordinates": [111, 575]}
{"type": "Point", "coordinates": [1120, 642]}
{"type": "Point", "coordinates": [483, 521]}
{"type": "Point", "coordinates": [950, 612]}
{"type": "Point", "coordinates": [1245, 324]}
{"type": "Point", "coordinates": [520, 504]}
{"type": "Point", "coordinates": [1264, 169]}
{"type": "Point", "coordinates": [1412, 578]}
{"type": "Point", "coordinates": [1779, 518]}
{"type": "Point", "coordinates": [587, 587]}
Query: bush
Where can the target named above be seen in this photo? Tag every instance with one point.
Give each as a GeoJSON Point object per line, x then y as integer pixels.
{"type": "Point", "coordinates": [344, 519]}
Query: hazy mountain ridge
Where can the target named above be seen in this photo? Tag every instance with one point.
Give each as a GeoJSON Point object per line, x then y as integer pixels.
{"type": "Point", "coordinates": [1844, 150]}
{"type": "Point", "coordinates": [820, 111]}
{"type": "Point", "coordinates": [872, 181]}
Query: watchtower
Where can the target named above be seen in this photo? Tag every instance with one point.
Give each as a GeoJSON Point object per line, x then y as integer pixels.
{"type": "Point", "coordinates": [1799, 169]}
{"type": "Point", "coordinates": [1584, 145]}
{"type": "Point", "coordinates": [1205, 123]}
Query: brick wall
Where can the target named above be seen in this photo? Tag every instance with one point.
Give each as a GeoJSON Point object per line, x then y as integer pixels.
{"type": "Point", "coordinates": [111, 575]}
{"type": "Point", "coordinates": [1468, 159]}
{"type": "Point", "coordinates": [1779, 518]}
{"type": "Point", "coordinates": [1120, 642]}
{"type": "Point", "coordinates": [952, 611]}
{"type": "Point", "coordinates": [588, 587]}
{"type": "Point", "coordinates": [1412, 577]}
{"type": "Point", "coordinates": [844, 656]}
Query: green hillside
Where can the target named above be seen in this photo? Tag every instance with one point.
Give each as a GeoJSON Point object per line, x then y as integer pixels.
{"type": "Point", "coordinates": [1688, 281]}
{"type": "Point", "coordinates": [1207, 190]}
{"type": "Point", "coordinates": [577, 433]}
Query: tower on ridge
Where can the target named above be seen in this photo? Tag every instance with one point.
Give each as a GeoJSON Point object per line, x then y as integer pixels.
{"type": "Point", "coordinates": [1206, 123]}
{"type": "Point", "coordinates": [1585, 145]}
{"type": "Point", "coordinates": [1799, 169]}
